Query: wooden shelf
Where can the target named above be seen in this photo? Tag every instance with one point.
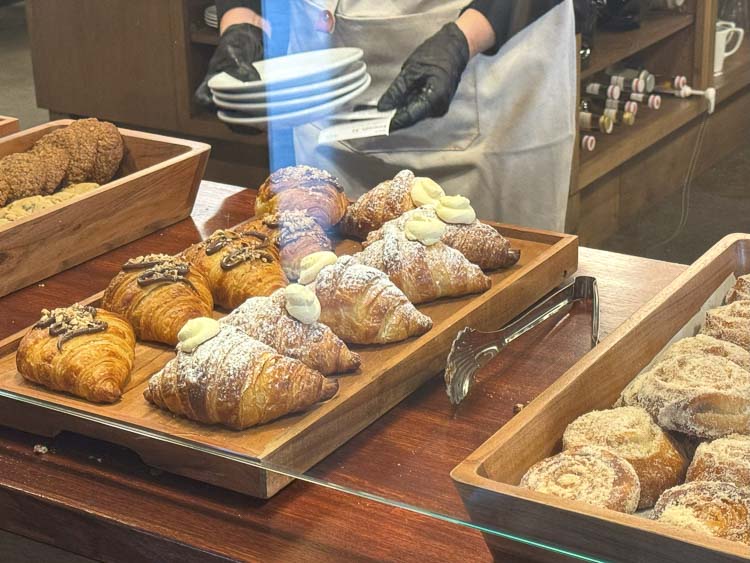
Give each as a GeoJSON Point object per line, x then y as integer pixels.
{"type": "Point", "coordinates": [611, 47]}
{"type": "Point", "coordinates": [626, 142]}
{"type": "Point", "coordinates": [736, 74]}
{"type": "Point", "coordinates": [204, 35]}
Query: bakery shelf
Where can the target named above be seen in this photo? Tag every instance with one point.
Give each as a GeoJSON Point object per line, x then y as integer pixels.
{"type": "Point", "coordinates": [611, 47]}
{"type": "Point", "coordinates": [626, 142]}
{"type": "Point", "coordinates": [736, 74]}
{"type": "Point", "coordinates": [204, 35]}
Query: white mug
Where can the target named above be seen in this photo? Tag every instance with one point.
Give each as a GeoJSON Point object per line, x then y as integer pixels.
{"type": "Point", "coordinates": [725, 32]}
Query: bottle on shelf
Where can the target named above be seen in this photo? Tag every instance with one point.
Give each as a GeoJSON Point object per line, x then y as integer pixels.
{"type": "Point", "coordinates": [647, 79]}
{"type": "Point", "coordinates": [588, 143]}
{"type": "Point", "coordinates": [603, 90]}
{"type": "Point", "coordinates": [622, 105]}
{"type": "Point", "coordinates": [633, 84]}
{"type": "Point", "coordinates": [652, 101]}
{"type": "Point", "coordinates": [604, 107]}
{"type": "Point", "coordinates": [676, 82]}
{"type": "Point", "coordinates": [588, 121]}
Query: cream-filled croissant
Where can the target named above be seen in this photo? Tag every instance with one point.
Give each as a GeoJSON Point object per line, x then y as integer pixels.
{"type": "Point", "coordinates": [222, 376]}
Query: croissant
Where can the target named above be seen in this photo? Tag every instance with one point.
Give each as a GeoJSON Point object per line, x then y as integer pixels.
{"type": "Point", "coordinates": [480, 243]}
{"type": "Point", "coordinates": [234, 380]}
{"type": "Point", "coordinates": [267, 320]}
{"type": "Point", "coordinates": [424, 273]}
{"type": "Point", "coordinates": [237, 266]}
{"type": "Point", "coordinates": [386, 201]}
{"type": "Point", "coordinates": [158, 294]}
{"type": "Point", "coordinates": [362, 306]}
{"type": "Point", "coordinates": [295, 234]}
{"type": "Point", "coordinates": [303, 188]}
{"type": "Point", "coordinates": [83, 351]}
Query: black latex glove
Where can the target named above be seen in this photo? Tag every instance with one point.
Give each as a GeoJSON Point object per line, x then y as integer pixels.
{"type": "Point", "coordinates": [428, 79]}
{"type": "Point", "coordinates": [239, 47]}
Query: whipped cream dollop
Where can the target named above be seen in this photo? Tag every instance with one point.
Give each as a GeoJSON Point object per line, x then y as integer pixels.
{"type": "Point", "coordinates": [426, 230]}
{"type": "Point", "coordinates": [456, 209]}
{"type": "Point", "coordinates": [195, 332]}
{"type": "Point", "coordinates": [313, 263]}
{"type": "Point", "coordinates": [302, 303]}
{"type": "Point", "coordinates": [426, 191]}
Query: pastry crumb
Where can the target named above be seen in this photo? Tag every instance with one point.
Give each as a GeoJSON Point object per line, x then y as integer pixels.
{"type": "Point", "coordinates": [40, 449]}
{"type": "Point", "coordinates": [518, 407]}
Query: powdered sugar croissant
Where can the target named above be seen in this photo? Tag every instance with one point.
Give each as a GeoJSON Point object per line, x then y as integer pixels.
{"type": "Point", "coordinates": [480, 243]}
{"type": "Point", "coordinates": [362, 306]}
{"type": "Point", "coordinates": [423, 272]}
{"type": "Point", "coordinates": [267, 320]}
{"type": "Point", "coordinates": [234, 380]}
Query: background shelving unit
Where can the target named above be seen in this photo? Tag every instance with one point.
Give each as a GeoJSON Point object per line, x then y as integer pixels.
{"type": "Point", "coordinates": [637, 166]}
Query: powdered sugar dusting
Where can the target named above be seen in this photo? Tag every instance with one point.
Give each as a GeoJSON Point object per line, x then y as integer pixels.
{"type": "Point", "coordinates": [295, 175]}
{"type": "Point", "coordinates": [726, 459]}
{"type": "Point", "coordinates": [589, 474]}
{"type": "Point", "coordinates": [719, 509]}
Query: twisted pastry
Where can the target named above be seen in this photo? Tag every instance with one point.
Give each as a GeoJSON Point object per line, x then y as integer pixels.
{"type": "Point", "coordinates": [481, 244]}
{"type": "Point", "coordinates": [362, 306]}
{"type": "Point", "coordinates": [721, 510]}
{"type": "Point", "coordinates": [83, 351]}
{"type": "Point", "coordinates": [587, 474]}
{"type": "Point", "coordinates": [266, 319]}
{"type": "Point", "coordinates": [234, 380]}
{"type": "Point", "coordinates": [631, 433]}
{"type": "Point", "coordinates": [303, 188]}
{"type": "Point", "coordinates": [704, 396]}
{"type": "Point", "coordinates": [237, 265]}
{"type": "Point", "coordinates": [158, 294]}
{"type": "Point", "coordinates": [726, 459]}
{"type": "Point", "coordinates": [423, 272]}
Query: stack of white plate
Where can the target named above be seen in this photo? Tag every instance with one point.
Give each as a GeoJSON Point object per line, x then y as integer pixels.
{"type": "Point", "coordinates": [293, 89]}
{"type": "Point", "coordinates": [210, 17]}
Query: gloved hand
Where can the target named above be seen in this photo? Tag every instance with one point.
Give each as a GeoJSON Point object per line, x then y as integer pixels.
{"type": "Point", "coordinates": [428, 79]}
{"type": "Point", "coordinates": [239, 46]}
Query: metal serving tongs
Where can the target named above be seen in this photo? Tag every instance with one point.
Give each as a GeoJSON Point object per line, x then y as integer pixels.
{"type": "Point", "coordinates": [472, 349]}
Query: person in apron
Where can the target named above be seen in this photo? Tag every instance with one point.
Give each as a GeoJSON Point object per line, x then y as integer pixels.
{"type": "Point", "coordinates": [498, 128]}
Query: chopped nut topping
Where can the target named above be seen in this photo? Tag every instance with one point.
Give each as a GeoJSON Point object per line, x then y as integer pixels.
{"type": "Point", "coordinates": [69, 322]}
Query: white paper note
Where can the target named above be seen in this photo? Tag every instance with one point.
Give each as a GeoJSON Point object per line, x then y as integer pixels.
{"type": "Point", "coordinates": [355, 130]}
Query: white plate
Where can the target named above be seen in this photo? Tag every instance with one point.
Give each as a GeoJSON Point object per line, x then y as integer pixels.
{"type": "Point", "coordinates": [295, 117]}
{"type": "Point", "coordinates": [297, 69]}
{"type": "Point", "coordinates": [294, 104]}
{"type": "Point", "coordinates": [295, 92]}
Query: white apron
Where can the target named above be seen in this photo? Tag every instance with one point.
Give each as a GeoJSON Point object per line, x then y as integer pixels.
{"type": "Point", "coordinates": [507, 140]}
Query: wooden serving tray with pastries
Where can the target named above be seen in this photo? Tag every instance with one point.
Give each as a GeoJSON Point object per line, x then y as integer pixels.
{"type": "Point", "coordinates": [643, 447]}
{"type": "Point", "coordinates": [71, 190]}
{"type": "Point", "coordinates": [269, 345]}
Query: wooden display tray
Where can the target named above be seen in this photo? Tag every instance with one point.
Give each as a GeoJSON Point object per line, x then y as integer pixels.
{"type": "Point", "coordinates": [487, 480]}
{"type": "Point", "coordinates": [294, 443]}
{"type": "Point", "coordinates": [8, 125]}
{"type": "Point", "coordinates": [156, 186]}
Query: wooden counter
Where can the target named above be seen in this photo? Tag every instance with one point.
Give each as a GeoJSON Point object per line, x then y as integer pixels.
{"type": "Point", "coordinates": [102, 502]}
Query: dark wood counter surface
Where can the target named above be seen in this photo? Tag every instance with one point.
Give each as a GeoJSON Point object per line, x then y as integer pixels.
{"type": "Point", "coordinates": [102, 502]}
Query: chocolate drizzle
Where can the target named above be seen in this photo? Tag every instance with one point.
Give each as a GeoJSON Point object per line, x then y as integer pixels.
{"type": "Point", "coordinates": [67, 323]}
{"type": "Point", "coordinates": [220, 239]}
{"type": "Point", "coordinates": [245, 253]}
{"type": "Point", "coordinates": [159, 268]}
